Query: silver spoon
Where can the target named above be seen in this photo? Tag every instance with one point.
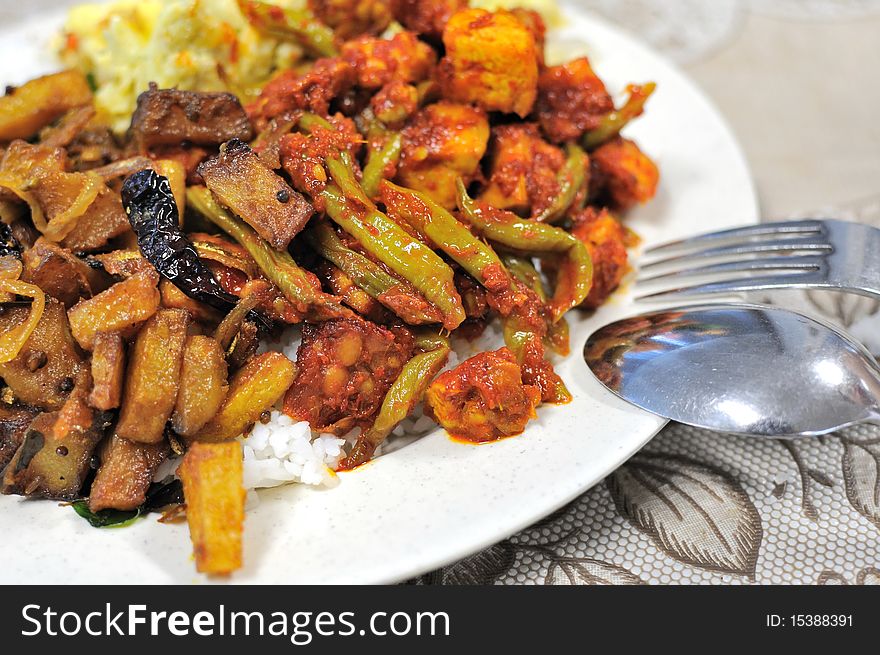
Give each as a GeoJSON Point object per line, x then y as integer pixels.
{"type": "Point", "coordinates": [741, 368]}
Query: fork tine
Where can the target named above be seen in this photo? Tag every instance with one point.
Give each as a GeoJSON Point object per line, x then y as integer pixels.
{"type": "Point", "coordinates": [749, 248]}
{"type": "Point", "coordinates": [807, 226]}
{"type": "Point", "coordinates": [796, 262]}
{"type": "Point", "coordinates": [786, 280]}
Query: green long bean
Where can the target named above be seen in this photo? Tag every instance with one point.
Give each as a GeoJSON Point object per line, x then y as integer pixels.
{"type": "Point", "coordinates": [278, 267]}
{"type": "Point", "coordinates": [346, 203]}
{"type": "Point", "coordinates": [613, 122]}
{"type": "Point", "coordinates": [407, 390]}
{"type": "Point", "coordinates": [370, 277]}
{"type": "Point", "coordinates": [526, 236]}
{"type": "Point", "coordinates": [572, 178]}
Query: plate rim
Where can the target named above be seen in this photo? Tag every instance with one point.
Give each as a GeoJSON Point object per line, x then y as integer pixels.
{"type": "Point", "coordinates": [466, 547]}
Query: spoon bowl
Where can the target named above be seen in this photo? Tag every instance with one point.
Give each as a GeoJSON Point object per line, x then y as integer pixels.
{"type": "Point", "coordinates": [742, 368]}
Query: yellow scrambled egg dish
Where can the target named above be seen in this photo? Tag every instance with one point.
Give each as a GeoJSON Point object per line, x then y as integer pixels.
{"type": "Point", "coordinates": [203, 45]}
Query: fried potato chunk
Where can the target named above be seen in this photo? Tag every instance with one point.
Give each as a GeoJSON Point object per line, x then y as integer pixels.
{"type": "Point", "coordinates": [212, 475]}
{"type": "Point", "coordinates": [345, 367]}
{"type": "Point", "coordinates": [153, 377]}
{"type": "Point", "coordinates": [243, 183]}
{"type": "Point", "coordinates": [442, 142]}
{"type": "Point", "coordinates": [108, 369]}
{"type": "Point", "coordinates": [53, 459]}
{"type": "Point", "coordinates": [571, 100]}
{"type": "Point", "coordinates": [32, 106]}
{"type": "Point", "coordinates": [605, 239]}
{"type": "Point", "coordinates": [126, 473]}
{"type": "Point", "coordinates": [483, 398]}
{"type": "Point", "coordinates": [490, 60]}
{"type": "Point", "coordinates": [377, 62]}
{"type": "Point", "coordinates": [120, 308]}
{"type": "Point", "coordinates": [203, 385]}
{"type": "Point", "coordinates": [523, 172]}
{"type": "Point", "coordinates": [254, 389]}
{"type": "Point", "coordinates": [49, 365]}
{"type": "Point", "coordinates": [626, 174]}
{"type": "Point", "coordinates": [57, 272]}
{"type": "Point", "coordinates": [14, 421]}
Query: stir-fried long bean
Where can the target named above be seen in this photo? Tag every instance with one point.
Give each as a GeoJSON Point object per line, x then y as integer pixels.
{"type": "Point", "coordinates": [407, 390]}
{"type": "Point", "coordinates": [372, 278]}
{"type": "Point", "coordinates": [378, 161]}
{"type": "Point", "coordinates": [572, 178]}
{"type": "Point", "coordinates": [347, 204]}
{"type": "Point", "coordinates": [299, 25]}
{"type": "Point", "coordinates": [575, 273]}
{"type": "Point", "coordinates": [294, 283]}
{"type": "Point", "coordinates": [524, 271]}
{"type": "Point", "coordinates": [437, 226]}
{"type": "Point", "coordinates": [613, 122]}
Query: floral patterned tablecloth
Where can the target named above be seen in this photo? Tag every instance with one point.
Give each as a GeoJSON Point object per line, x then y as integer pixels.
{"type": "Point", "coordinates": [797, 81]}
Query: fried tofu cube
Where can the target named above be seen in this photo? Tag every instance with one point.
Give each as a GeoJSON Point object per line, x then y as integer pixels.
{"type": "Point", "coordinates": [490, 60]}
{"type": "Point", "coordinates": [212, 475]}
{"type": "Point", "coordinates": [605, 239]}
{"type": "Point", "coordinates": [153, 377]}
{"type": "Point", "coordinates": [254, 388]}
{"type": "Point", "coordinates": [626, 175]}
{"type": "Point", "coordinates": [442, 142]}
{"type": "Point", "coordinates": [483, 398]}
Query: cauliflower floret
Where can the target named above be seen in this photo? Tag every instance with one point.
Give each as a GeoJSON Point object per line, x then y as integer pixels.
{"type": "Point", "coordinates": [571, 100]}
{"type": "Point", "coordinates": [378, 62]}
{"type": "Point", "coordinates": [491, 60]}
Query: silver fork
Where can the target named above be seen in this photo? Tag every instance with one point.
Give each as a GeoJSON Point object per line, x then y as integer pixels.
{"type": "Point", "coordinates": [804, 254]}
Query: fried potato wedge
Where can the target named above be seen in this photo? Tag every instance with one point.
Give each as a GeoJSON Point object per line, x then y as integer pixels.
{"type": "Point", "coordinates": [57, 272]}
{"type": "Point", "coordinates": [125, 474]}
{"type": "Point", "coordinates": [203, 385]}
{"type": "Point", "coordinates": [244, 184]}
{"type": "Point", "coordinates": [255, 388]}
{"type": "Point", "coordinates": [32, 106]}
{"type": "Point", "coordinates": [212, 475]}
{"type": "Point", "coordinates": [49, 365]}
{"type": "Point", "coordinates": [53, 459]}
{"type": "Point", "coordinates": [108, 369]}
{"type": "Point", "coordinates": [153, 377]}
{"type": "Point", "coordinates": [122, 307]}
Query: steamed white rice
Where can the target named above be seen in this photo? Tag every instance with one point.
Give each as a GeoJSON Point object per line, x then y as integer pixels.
{"type": "Point", "coordinates": [281, 451]}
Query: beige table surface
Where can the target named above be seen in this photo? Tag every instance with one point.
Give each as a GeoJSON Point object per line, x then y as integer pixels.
{"type": "Point", "coordinates": [799, 82]}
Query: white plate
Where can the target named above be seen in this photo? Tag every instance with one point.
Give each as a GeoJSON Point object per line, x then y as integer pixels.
{"type": "Point", "coordinates": [436, 500]}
